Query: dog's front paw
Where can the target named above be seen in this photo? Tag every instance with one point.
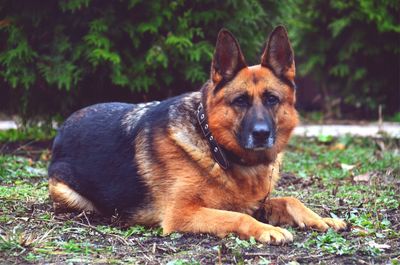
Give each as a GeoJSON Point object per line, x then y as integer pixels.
{"type": "Point", "coordinates": [275, 235]}
{"type": "Point", "coordinates": [290, 211]}
{"type": "Point", "coordinates": [336, 224]}
{"type": "Point", "coordinates": [322, 224]}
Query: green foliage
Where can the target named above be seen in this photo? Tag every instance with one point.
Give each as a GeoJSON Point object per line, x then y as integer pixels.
{"type": "Point", "coordinates": [61, 55]}
{"type": "Point", "coordinates": [240, 243]}
{"type": "Point", "coordinates": [395, 117]}
{"type": "Point", "coordinates": [362, 153]}
{"type": "Point", "coordinates": [30, 231]}
{"type": "Point", "coordinates": [183, 262]}
{"type": "Point", "coordinates": [71, 246]}
{"type": "Point", "coordinates": [16, 173]}
{"type": "Point", "coordinates": [141, 230]}
{"type": "Point", "coordinates": [12, 241]}
{"type": "Point", "coordinates": [330, 242]}
{"type": "Point", "coordinates": [350, 48]}
{"type": "Point", "coordinates": [144, 46]}
{"type": "Point", "coordinates": [36, 133]}
{"type": "Point", "coordinates": [324, 138]}
{"type": "Point", "coordinates": [17, 169]}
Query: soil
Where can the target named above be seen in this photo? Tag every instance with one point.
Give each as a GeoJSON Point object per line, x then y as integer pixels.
{"type": "Point", "coordinates": [156, 249]}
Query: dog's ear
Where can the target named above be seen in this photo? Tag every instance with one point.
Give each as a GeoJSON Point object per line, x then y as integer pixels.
{"type": "Point", "coordinates": [278, 54]}
{"type": "Point", "coordinates": [228, 58]}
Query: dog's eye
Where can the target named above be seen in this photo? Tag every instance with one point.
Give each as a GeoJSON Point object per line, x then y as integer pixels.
{"type": "Point", "coordinates": [241, 101]}
{"type": "Point", "coordinates": [271, 100]}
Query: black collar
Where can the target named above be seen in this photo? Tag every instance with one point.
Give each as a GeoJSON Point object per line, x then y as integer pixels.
{"type": "Point", "coordinates": [217, 152]}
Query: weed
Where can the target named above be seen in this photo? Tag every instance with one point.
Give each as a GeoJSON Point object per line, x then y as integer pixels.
{"type": "Point", "coordinates": [245, 243]}
{"type": "Point", "coordinates": [36, 133]}
{"type": "Point", "coordinates": [31, 257]}
{"type": "Point", "coordinates": [71, 246]}
{"type": "Point", "coordinates": [141, 230]}
{"type": "Point", "coordinates": [30, 232]}
{"type": "Point", "coordinates": [183, 262]}
{"type": "Point", "coordinates": [15, 241]}
{"type": "Point", "coordinates": [19, 169]}
{"type": "Point", "coordinates": [264, 261]}
{"type": "Point", "coordinates": [329, 242]}
{"type": "Point", "coordinates": [395, 261]}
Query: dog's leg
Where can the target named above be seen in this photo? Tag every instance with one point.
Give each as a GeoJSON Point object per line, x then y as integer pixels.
{"type": "Point", "coordinates": [290, 211]}
{"type": "Point", "coordinates": [221, 223]}
{"type": "Point", "coordinates": [66, 199]}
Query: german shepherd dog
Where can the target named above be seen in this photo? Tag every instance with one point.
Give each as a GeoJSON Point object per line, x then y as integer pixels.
{"type": "Point", "coordinates": [202, 162]}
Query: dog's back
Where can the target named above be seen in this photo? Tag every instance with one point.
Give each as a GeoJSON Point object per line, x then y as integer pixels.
{"type": "Point", "coordinates": [93, 155]}
{"type": "Point", "coordinates": [95, 164]}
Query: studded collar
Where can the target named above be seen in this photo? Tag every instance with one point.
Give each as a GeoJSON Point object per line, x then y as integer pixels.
{"type": "Point", "coordinates": [217, 152]}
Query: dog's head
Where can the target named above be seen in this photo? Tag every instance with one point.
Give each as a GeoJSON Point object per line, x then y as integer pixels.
{"type": "Point", "coordinates": [251, 109]}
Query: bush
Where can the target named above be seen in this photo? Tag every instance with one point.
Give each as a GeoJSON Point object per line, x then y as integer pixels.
{"type": "Point", "coordinates": [60, 54]}
{"type": "Point", "coordinates": [57, 56]}
{"type": "Point", "coordinates": [351, 49]}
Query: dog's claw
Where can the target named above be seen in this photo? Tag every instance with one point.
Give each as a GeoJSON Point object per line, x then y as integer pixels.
{"type": "Point", "coordinates": [323, 224]}
{"type": "Point", "coordinates": [336, 224]}
{"type": "Point", "coordinates": [276, 236]}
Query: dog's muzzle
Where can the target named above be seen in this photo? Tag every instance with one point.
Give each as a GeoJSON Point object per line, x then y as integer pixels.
{"type": "Point", "coordinates": [261, 136]}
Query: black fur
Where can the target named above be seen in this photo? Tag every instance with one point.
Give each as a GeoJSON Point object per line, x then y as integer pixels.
{"type": "Point", "coordinates": [94, 154]}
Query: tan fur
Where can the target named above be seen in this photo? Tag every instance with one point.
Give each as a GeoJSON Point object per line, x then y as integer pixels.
{"type": "Point", "coordinates": [195, 194]}
{"type": "Point", "coordinates": [65, 197]}
{"type": "Point", "coordinates": [290, 211]}
{"type": "Point", "coordinates": [223, 126]}
{"type": "Point", "coordinates": [189, 191]}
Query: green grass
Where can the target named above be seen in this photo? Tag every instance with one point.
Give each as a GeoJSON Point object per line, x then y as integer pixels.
{"type": "Point", "coordinates": [309, 157]}
{"type": "Point", "coordinates": [37, 133]}
{"type": "Point", "coordinates": [324, 178]}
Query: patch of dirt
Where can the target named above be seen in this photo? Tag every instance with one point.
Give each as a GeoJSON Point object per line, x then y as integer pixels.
{"type": "Point", "coordinates": [290, 179]}
{"type": "Point", "coordinates": [37, 235]}
{"type": "Point", "coordinates": [40, 227]}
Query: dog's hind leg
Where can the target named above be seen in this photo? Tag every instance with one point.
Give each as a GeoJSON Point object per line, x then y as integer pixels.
{"type": "Point", "coordinates": [64, 197]}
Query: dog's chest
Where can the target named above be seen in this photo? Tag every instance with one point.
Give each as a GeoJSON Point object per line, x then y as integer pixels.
{"type": "Point", "coordinates": [243, 189]}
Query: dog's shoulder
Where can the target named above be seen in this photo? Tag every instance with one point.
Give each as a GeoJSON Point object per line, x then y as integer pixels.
{"type": "Point", "coordinates": [161, 115]}
{"type": "Point", "coordinates": [184, 130]}
{"type": "Point", "coordinates": [170, 130]}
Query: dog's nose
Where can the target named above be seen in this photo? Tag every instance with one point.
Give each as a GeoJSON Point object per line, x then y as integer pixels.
{"type": "Point", "coordinates": [261, 132]}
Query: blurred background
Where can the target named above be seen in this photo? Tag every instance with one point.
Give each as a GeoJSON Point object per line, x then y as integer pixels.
{"type": "Point", "coordinates": [58, 56]}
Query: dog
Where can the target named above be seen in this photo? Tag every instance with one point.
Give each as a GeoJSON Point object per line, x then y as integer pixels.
{"type": "Point", "coordinates": [201, 162]}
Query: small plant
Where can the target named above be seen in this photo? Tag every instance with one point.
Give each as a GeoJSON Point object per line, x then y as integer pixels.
{"type": "Point", "coordinates": [237, 243]}
{"type": "Point", "coordinates": [329, 242]}
{"type": "Point", "coordinates": [368, 221]}
{"type": "Point", "coordinates": [71, 246]}
{"type": "Point", "coordinates": [15, 241]}
{"type": "Point", "coordinates": [17, 168]}
{"type": "Point", "coordinates": [183, 262]}
{"type": "Point", "coordinates": [141, 230]}
{"type": "Point", "coordinates": [325, 138]}
{"type": "Point", "coordinates": [36, 133]}
{"type": "Point", "coordinates": [31, 233]}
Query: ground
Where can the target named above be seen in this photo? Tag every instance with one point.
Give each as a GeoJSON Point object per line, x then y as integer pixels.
{"type": "Point", "coordinates": [357, 179]}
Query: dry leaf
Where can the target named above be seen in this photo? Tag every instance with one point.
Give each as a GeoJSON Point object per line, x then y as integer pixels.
{"type": "Point", "coordinates": [363, 178]}
{"type": "Point", "coordinates": [379, 246]}
{"type": "Point", "coordinates": [338, 146]}
{"type": "Point", "coordinates": [347, 167]}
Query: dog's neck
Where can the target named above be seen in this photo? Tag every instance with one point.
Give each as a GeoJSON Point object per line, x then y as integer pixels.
{"type": "Point", "coordinates": [222, 156]}
{"type": "Point", "coordinates": [216, 150]}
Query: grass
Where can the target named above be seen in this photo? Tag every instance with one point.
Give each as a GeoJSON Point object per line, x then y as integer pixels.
{"type": "Point", "coordinates": [353, 178]}
{"type": "Point", "coordinates": [44, 132]}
